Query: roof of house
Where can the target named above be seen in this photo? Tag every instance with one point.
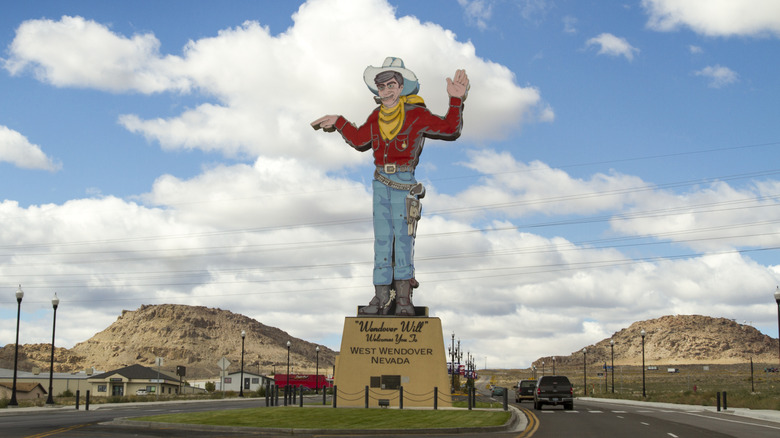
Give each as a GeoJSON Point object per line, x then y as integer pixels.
{"type": "Point", "coordinates": [135, 372]}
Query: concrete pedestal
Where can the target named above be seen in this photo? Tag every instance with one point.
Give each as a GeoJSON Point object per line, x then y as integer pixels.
{"type": "Point", "coordinates": [391, 355]}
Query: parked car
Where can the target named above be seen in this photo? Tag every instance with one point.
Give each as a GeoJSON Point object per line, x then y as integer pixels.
{"type": "Point", "coordinates": [140, 392]}
{"type": "Point", "coordinates": [525, 390]}
{"type": "Point", "coordinates": [497, 391]}
{"type": "Point", "coordinates": [554, 390]}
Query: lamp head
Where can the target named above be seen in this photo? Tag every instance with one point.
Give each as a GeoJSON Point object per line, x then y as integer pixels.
{"type": "Point", "coordinates": [643, 333]}
{"type": "Point", "coordinates": [777, 294]}
{"type": "Point", "coordinates": [288, 344]}
{"type": "Point", "coordinates": [243, 334]}
{"type": "Point", "coordinates": [55, 301]}
{"type": "Point", "coordinates": [19, 293]}
{"type": "Point", "coordinates": [317, 349]}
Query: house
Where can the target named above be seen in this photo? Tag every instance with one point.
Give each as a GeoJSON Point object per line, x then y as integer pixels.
{"type": "Point", "coordinates": [252, 382]}
{"type": "Point", "coordinates": [131, 380]}
{"type": "Point", "coordinates": [24, 390]}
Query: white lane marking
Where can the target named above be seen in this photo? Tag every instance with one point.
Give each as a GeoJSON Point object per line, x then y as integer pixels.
{"type": "Point", "coordinates": [642, 422]}
{"type": "Point", "coordinates": [619, 412]}
{"type": "Point", "coordinates": [671, 435]}
{"type": "Point", "coordinates": [734, 421]}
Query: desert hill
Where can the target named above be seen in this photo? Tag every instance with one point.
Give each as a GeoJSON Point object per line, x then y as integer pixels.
{"type": "Point", "coordinates": [193, 336]}
{"type": "Point", "coordinates": [678, 340]}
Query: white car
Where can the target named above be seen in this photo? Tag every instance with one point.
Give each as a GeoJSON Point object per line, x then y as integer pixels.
{"type": "Point", "coordinates": [140, 392]}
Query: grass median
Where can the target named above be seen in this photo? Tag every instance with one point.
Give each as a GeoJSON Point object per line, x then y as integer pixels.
{"type": "Point", "coordinates": [329, 418]}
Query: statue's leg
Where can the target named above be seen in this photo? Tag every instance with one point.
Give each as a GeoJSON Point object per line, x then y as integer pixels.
{"type": "Point", "coordinates": [403, 298]}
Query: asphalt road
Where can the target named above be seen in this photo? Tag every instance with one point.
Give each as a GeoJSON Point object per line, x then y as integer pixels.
{"type": "Point", "coordinates": [599, 419]}
{"type": "Point", "coordinates": [590, 418]}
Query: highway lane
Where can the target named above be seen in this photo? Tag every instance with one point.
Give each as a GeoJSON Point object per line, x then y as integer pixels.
{"type": "Point", "coordinates": [600, 419]}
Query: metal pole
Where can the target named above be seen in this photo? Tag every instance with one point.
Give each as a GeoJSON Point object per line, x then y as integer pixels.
{"type": "Point", "coordinates": [54, 302]}
{"type": "Point", "coordinates": [777, 299]}
{"type": "Point", "coordinates": [287, 384]}
{"type": "Point", "coordinates": [612, 347]}
{"type": "Point", "coordinates": [241, 381]}
{"type": "Point", "coordinates": [585, 370]}
{"type": "Point", "coordinates": [19, 296]}
{"type": "Point", "coordinates": [317, 376]}
{"type": "Point", "coordinates": [644, 394]}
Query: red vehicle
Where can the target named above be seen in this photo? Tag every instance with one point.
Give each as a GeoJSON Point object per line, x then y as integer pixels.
{"type": "Point", "coordinates": [310, 381]}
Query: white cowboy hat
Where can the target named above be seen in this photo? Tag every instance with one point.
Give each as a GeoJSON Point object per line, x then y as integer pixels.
{"type": "Point", "coordinates": [411, 85]}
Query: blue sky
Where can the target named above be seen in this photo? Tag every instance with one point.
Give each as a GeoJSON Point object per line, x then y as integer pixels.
{"type": "Point", "coordinates": [617, 164]}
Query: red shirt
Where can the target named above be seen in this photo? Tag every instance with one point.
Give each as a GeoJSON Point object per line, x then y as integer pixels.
{"type": "Point", "coordinates": [405, 148]}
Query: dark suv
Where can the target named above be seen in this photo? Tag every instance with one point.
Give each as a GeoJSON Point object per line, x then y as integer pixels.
{"type": "Point", "coordinates": [554, 390]}
{"type": "Point", "coordinates": [525, 390]}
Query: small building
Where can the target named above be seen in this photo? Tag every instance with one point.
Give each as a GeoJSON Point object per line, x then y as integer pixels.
{"type": "Point", "coordinates": [129, 380]}
{"type": "Point", "coordinates": [24, 390]}
{"type": "Point", "coordinates": [61, 382]}
{"type": "Point", "coordinates": [252, 382]}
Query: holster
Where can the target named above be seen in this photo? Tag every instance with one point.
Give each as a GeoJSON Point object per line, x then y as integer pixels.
{"type": "Point", "coordinates": [414, 207]}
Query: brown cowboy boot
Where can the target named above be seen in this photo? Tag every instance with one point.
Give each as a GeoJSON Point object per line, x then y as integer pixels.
{"type": "Point", "coordinates": [403, 298]}
{"type": "Point", "coordinates": [379, 304]}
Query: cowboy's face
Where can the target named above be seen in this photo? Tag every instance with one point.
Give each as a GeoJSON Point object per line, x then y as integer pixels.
{"type": "Point", "coordinates": [389, 92]}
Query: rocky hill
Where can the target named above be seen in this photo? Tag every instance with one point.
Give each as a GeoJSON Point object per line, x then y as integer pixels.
{"type": "Point", "coordinates": [196, 337]}
{"type": "Point", "coordinates": [677, 340]}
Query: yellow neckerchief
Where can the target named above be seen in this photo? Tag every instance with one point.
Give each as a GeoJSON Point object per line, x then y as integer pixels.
{"type": "Point", "coordinates": [391, 120]}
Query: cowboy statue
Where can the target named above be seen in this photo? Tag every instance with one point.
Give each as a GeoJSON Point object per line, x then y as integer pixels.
{"type": "Point", "coordinates": [395, 131]}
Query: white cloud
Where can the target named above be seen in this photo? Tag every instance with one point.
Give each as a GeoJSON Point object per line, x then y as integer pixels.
{"type": "Point", "coordinates": [695, 49]}
{"type": "Point", "coordinates": [715, 17]}
{"type": "Point", "coordinates": [718, 75]}
{"type": "Point", "coordinates": [17, 150]}
{"type": "Point", "coordinates": [268, 88]}
{"type": "Point", "coordinates": [612, 45]}
{"type": "Point", "coordinates": [75, 52]}
{"type": "Point", "coordinates": [477, 12]}
{"type": "Point", "coordinates": [281, 239]}
{"type": "Point", "coordinates": [569, 24]}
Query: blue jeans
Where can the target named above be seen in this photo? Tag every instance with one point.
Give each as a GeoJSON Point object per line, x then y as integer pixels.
{"type": "Point", "coordinates": [393, 246]}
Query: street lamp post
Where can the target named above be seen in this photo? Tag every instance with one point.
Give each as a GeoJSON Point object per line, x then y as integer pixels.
{"type": "Point", "coordinates": [54, 303]}
{"type": "Point", "coordinates": [455, 353]}
{"type": "Point", "coordinates": [643, 333]}
{"type": "Point", "coordinates": [554, 365]}
{"type": "Point", "coordinates": [585, 369]}
{"type": "Point", "coordinates": [777, 299]}
{"type": "Point", "coordinates": [19, 296]}
{"type": "Point", "coordinates": [612, 348]}
{"type": "Point", "coordinates": [542, 368]}
{"type": "Point", "coordinates": [317, 376]}
{"type": "Point", "coordinates": [241, 382]}
{"type": "Point", "coordinates": [287, 385]}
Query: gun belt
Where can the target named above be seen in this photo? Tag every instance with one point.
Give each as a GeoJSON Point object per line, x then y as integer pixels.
{"type": "Point", "coordinates": [390, 183]}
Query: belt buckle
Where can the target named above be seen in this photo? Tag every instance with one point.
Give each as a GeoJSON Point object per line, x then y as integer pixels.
{"type": "Point", "coordinates": [390, 168]}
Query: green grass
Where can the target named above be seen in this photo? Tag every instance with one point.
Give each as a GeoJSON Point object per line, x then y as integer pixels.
{"type": "Point", "coordinates": [343, 418]}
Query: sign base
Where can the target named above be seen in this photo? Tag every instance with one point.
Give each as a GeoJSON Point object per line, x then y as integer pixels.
{"type": "Point", "coordinates": [394, 357]}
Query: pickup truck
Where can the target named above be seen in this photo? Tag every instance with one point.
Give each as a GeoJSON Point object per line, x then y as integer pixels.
{"type": "Point", "coordinates": [554, 390]}
{"type": "Point", "coordinates": [525, 390]}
